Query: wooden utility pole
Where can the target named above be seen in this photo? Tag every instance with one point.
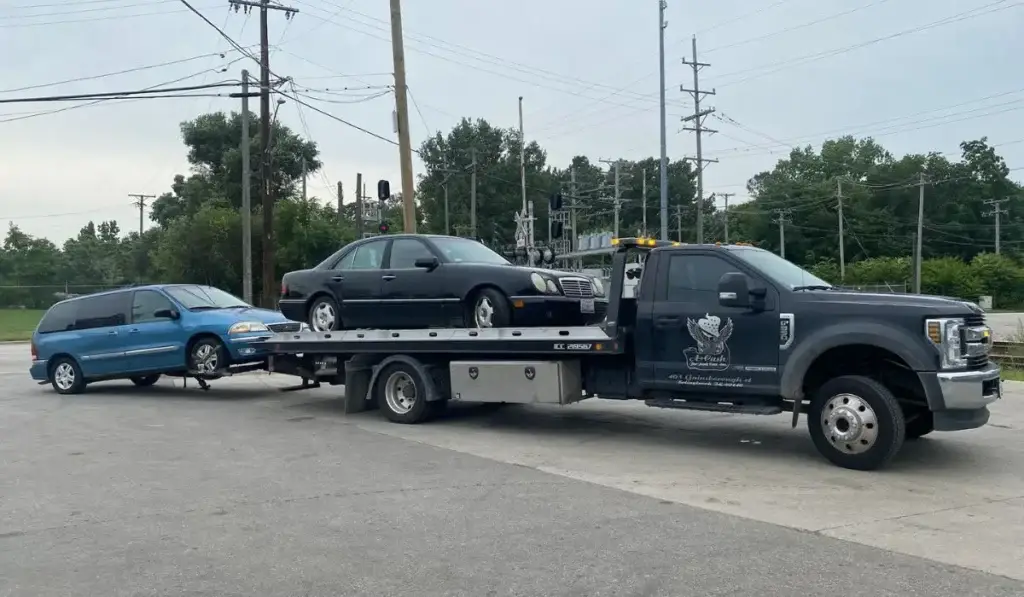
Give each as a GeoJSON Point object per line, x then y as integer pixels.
{"type": "Point", "coordinates": [140, 202]}
{"type": "Point", "coordinates": [402, 110]}
{"type": "Point", "coordinates": [266, 199]}
{"type": "Point", "coordinates": [246, 194]}
{"type": "Point", "coordinates": [917, 240]}
{"type": "Point", "coordinates": [842, 244]}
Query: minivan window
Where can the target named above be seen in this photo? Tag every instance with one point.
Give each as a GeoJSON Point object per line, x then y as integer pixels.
{"type": "Point", "coordinates": [102, 311]}
{"type": "Point", "coordinates": [146, 303]}
{"type": "Point", "coordinates": [60, 318]}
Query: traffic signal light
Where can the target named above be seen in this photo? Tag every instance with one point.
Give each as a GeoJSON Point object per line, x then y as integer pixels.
{"type": "Point", "coordinates": [555, 202]}
{"type": "Point", "coordinates": [556, 230]}
{"type": "Point", "coordinates": [383, 190]}
{"type": "Point", "coordinates": [383, 227]}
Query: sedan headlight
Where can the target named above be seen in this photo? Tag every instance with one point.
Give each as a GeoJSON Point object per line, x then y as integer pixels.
{"type": "Point", "coordinates": [248, 327]}
{"type": "Point", "coordinates": [598, 288]}
{"type": "Point", "coordinates": [538, 282]}
{"type": "Point", "coordinates": [946, 334]}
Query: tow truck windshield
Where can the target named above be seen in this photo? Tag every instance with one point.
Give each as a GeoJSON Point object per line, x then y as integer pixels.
{"type": "Point", "coordinates": [780, 270]}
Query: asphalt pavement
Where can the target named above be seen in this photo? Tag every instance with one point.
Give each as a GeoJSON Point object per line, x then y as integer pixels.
{"type": "Point", "coordinates": [244, 490]}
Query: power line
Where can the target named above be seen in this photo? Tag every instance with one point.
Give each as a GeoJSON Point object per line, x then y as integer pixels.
{"type": "Point", "coordinates": [760, 71]}
{"type": "Point", "coordinates": [824, 19]}
{"type": "Point", "coordinates": [91, 19]}
{"type": "Point", "coordinates": [113, 94]}
{"type": "Point", "coordinates": [83, 10]}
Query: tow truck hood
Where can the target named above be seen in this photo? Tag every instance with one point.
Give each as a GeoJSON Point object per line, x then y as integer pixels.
{"type": "Point", "coordinates": [932, 304]}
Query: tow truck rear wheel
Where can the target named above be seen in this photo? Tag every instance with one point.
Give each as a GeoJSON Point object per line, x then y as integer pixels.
{"type": "Point", "coordinates": [402, 394]}
{"type": "Point", "coordinates": [856, 423]}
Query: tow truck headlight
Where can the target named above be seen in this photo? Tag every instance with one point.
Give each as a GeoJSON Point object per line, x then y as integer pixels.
{"type": "Point", "coordinates": [946, 334]}
{"type": "Point", "coordinates": [539, 282]}
{"type": "Point", "coordinates": [598, 287]}
{"type": "Point", "coordinates": [248, 327]}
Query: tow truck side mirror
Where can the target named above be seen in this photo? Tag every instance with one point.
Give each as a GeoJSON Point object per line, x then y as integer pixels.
{"type": "Point", "coordinates": [733, 290]}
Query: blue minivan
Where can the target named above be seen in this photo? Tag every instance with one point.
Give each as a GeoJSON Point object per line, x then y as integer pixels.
{"type": "Point", "coordinates": [143, 332]}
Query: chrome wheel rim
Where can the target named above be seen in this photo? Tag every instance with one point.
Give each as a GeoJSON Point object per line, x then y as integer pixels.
{"type": "Point", "coordinates": [400, 392]}
{"type": "Point", "coordinates": [64, 376]}
{"type": "Point", "coordinates": [323, 318]}
{"type": "Point", "coordinates": [204, 357]}
{"type": "Point", "coordinates": [850, 424]}
{"type": "Point", "coordinates": [483, 313]}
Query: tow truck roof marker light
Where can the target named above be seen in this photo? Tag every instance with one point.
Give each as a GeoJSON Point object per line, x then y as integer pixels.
{"type": "Point", "coordinates": [640, 241]}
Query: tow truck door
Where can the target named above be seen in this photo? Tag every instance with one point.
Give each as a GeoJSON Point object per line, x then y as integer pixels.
{"type": "Point", "coordinates": [690, 342]}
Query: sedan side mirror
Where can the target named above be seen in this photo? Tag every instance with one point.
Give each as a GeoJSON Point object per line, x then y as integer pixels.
{"type": "Point", "coordinates": [427, 263]}
{"type": "Point", "coordinates": [167, 314]}
{"type": "Point", "coordinates": [734, 290]}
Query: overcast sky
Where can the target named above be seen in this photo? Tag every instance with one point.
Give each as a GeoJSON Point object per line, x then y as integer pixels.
{"type": "Point", "coordinates": [919, 76]}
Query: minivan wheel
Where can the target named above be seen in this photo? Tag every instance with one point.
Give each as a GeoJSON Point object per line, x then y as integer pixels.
{"type": "Point", "coordinates": [66, 376]}
{"type": "Point", "coordinates": [206, 357]}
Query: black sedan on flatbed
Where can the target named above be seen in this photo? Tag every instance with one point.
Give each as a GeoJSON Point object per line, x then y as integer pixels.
{"type": "Point", "coordinates": [421, 281]}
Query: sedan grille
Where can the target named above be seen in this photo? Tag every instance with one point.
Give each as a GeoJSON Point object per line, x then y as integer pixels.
{"type": "Point", "coordinates": [279, 328]}
{"type": "Point", "coordinates": [577, 287]}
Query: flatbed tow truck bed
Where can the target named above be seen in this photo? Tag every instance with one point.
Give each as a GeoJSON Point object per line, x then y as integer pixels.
{"type": "Point", "coordinates": [865, 382]}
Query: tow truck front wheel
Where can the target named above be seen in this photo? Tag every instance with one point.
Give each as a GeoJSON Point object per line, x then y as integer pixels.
{"type": "Point", "coordinates": [856, 423]}
{"type": "Point", "coordinates": [402, 394]}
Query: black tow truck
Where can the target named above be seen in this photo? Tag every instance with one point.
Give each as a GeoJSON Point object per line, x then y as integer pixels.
{"type": "Point", "coordinates": [723, 328]}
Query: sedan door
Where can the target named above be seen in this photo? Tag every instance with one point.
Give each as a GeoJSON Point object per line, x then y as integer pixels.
{"type": "Point", "coordinates": [412, 295]}
{"type": "Point", "coordinates": [356, 285]}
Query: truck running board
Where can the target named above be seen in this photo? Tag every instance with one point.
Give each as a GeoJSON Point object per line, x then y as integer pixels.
{"type": "Point", "coordinates": [721, 407]}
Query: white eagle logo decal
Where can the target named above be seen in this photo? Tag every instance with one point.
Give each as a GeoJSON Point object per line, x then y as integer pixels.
{"type": "Point", "coordinates": [711, 336]}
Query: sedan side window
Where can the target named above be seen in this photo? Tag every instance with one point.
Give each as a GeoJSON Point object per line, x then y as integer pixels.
{"type": "Point", "coordinates": [146, 303]}
{"type": "Point", "coordinates": [405, 252]}
{"type": "Point", "coordinates": [368, 256]}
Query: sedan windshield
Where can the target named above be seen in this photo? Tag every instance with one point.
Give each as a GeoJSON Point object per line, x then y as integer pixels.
{"type": "Point", "coordinates": [780, 270]}
{"type": "Point", "coordinates": [464, 250]}
{"type": "Point", "coordinates": [205, 298]}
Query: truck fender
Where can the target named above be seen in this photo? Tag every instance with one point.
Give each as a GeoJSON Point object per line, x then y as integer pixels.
{"type": "Point", "coordinates": [423, 369]}
{"type": "Point", "coordinates": [897, 341]}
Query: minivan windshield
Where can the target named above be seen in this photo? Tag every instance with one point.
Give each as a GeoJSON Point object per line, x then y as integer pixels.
{"type": "Point", "coordinates": [464, 250]}
{"type": "Point", "coordinates": [778, 269]}
{"type": "Point", "coordinates": [204, 298]}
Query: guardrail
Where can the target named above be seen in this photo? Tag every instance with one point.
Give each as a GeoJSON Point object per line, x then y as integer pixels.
{"type": "Point", "coordinates": [1008, 354]}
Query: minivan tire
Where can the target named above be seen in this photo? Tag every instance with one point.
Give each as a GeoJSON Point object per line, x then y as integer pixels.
{"type": "Point", "coordinates": [206, 356]}
{"type": "Point", "coordinates": [66, 376]}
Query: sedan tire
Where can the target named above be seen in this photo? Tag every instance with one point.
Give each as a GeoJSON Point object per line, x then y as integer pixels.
{"type": "Point", "coordinates": [489, 308]}
{"type": "Point", "coordinates": [323, 315]}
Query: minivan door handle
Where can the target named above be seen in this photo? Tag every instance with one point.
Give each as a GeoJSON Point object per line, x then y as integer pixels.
{"type": "Point", "coordinates": [134, 331]}
{"type": "Point", "coordinates": [112, 333]}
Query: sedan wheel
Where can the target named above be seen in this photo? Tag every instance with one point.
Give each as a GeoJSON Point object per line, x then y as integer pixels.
{"type": "Point", "coordinates": [483, 313]}
{"type": "Point", "coordinates": [323, 315]}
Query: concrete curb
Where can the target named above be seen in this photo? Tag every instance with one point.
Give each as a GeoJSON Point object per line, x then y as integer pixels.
{"type": "Point", "coordinates": [16, 342]}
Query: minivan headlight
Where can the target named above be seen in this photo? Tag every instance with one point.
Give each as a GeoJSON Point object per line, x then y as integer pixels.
{"type": "Point", "coordinates": [947, 335]}
{"type": "Point", "coordinates": [248, 327]}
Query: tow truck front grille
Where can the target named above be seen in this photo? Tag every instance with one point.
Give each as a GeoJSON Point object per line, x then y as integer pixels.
{"type": "Point", "coordinates": [576, 287]}
{"type": "Point", "coordinates": [977, 341]}
{"type": "Point", "coordinates": [279, 328]}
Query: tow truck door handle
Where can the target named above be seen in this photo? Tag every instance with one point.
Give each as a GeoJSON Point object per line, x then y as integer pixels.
{"type": "Point", "coordinates": [666, 321]}
{"type": "Point", "coordinates": [388, 278]}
